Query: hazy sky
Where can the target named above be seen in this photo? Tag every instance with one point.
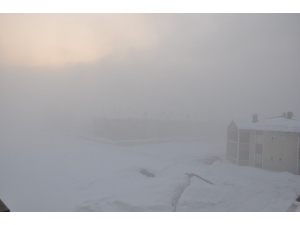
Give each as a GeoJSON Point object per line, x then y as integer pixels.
{"type": "Point", "coordinates": [215, 67]}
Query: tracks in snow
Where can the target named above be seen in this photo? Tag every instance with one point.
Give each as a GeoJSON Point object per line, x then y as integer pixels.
{"type": "Point", "coordinates": [177, 198]}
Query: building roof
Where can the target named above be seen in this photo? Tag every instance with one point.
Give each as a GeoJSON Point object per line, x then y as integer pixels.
{"type": "Point", "coordinates": [273, 124]}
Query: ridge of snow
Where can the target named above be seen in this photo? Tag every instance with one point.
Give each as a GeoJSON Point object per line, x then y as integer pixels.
{"type": "Point", "coordinates": [273, 124]}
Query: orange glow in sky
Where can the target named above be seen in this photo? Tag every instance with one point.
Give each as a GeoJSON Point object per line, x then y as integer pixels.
{"type": "Point", "coordinates": [56, 40]}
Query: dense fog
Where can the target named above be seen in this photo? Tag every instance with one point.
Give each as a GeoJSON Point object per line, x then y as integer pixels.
{"type": "Point", "coordinates": [211, 67]}
{"type": "Point", "coordinates": [124, 77]}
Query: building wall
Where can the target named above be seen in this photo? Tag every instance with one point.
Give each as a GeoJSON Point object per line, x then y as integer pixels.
{"type": "Point", "coordinates": [271, 150]}
{"type": "Point", "coordinates": [299, 154]}
{"type": "Point", "coordinates": [252, 148]}
{"type": "Point", "coordinates": [244, 148]}
{"type": "Point", "coordinates": [232, 142]}
{"type": "Point", "coordinates": [280, 145]}
{"type": "Point", "coordinates": [132, 129]}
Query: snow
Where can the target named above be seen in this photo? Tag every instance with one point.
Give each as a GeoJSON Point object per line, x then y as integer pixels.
{"type": "Point", "coordinates": [54, 172]}
{"type": "Point", "coordinates": [273, 124]}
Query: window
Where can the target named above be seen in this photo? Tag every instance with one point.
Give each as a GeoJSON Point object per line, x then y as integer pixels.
{"type": "Point", "coordinates": [259, 138]}
{"type": "Point", "coordinates": [272, 138]}
{"type": "Point", "coordinates": [258, 158]}
{"type": "Point", "coordinates": [280, 159]}
{"type": "Point", "coordinates": [244, 155]}
{"type": "Point", "coordinates": [244, 137]}
{"type": "Point", "coordinates": [271, 158]}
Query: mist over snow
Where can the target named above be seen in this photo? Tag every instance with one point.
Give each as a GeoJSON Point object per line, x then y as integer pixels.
{"type": "Point", "coordinates": [124, 112]}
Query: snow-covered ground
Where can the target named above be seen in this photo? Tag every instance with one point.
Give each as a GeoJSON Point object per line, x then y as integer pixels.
{"type": "Point", "coordinates": [56, 172]}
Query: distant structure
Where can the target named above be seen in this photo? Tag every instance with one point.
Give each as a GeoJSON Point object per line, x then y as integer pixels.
{"type": "Point", "coordinates": [129, 126]}
{"type": "Point", "coordinates": [271, 144]}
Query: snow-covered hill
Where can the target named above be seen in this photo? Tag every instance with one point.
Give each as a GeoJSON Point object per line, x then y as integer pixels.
{"type": "Point", "coordinates": [51, 172]}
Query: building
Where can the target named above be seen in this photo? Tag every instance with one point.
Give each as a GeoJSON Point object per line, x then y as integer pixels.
{"type": "Point", "coordinates": [135, 126]}
{"type": "Point", "coordinates": [271, 144]}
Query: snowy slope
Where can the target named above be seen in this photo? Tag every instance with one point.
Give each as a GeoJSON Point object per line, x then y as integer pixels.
{"type": "Point", "coordinates": [53, 172]}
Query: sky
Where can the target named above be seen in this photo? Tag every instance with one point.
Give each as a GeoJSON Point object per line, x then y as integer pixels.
{"type": "Point", "coordinates": [213, 67]}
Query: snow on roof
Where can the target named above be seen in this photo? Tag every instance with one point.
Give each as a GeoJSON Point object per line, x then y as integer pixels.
{"type": "Point", "coordinates": [273, 124]}
{"type": "Point", "coordinates": [241, 123]}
